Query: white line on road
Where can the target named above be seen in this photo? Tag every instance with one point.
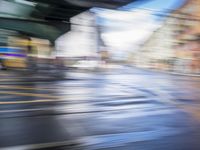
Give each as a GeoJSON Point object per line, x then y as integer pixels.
{"type": "Point", "coordinates": [41, 145]}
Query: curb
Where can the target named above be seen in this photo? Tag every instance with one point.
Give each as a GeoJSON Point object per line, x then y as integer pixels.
{"type": "Point", "coordinates": [167, 72]}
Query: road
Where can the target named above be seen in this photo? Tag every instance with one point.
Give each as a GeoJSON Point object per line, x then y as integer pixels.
{"type": "Point", "coordinates": [120, 108]}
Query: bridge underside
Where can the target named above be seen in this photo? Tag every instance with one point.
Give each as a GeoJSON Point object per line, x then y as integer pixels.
{"type": "Point", "coordinates": [46, 18]}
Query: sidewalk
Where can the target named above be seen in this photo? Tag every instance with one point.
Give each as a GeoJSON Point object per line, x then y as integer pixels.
{"type": "Point", "coordinates": [167, 72]}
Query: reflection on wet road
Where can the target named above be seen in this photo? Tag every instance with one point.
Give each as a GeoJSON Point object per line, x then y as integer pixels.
{"type": "Point", "coordinates": [121, 108]}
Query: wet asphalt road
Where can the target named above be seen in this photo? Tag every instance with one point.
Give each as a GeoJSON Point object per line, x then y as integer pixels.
{"type": "Point", "coordinates": [117, 109]}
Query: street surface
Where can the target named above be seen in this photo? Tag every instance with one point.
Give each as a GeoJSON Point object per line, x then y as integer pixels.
{"type": "Point", "coordinates": [122, 108]}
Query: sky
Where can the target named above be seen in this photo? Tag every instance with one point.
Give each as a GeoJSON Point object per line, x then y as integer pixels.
{"type": "Point", "coordinates": [155, 6]}
{"type": "Point", "coordinates": [134, 23]}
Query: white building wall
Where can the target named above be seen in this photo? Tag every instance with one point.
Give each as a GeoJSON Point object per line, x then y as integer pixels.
{"type": "Point", "coordinates": [81, 40]}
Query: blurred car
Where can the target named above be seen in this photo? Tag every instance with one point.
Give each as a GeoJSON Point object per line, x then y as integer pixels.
{"type": "Point", "coordinates": [86, 64]}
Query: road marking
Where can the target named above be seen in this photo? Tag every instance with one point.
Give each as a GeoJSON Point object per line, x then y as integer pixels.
{"type": "Point", "coordinates": [70, 110]}
{"type": "Point", "coordinates": [29, 101]}
{"type": "Point", "coordinates": [24, 88]}
{"type": "Point", "coordinates": [10, 79]}
{"type": "Point", "coordinates": [71, 143]}
{"type": "Point", "coordinates": [29, 94]}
